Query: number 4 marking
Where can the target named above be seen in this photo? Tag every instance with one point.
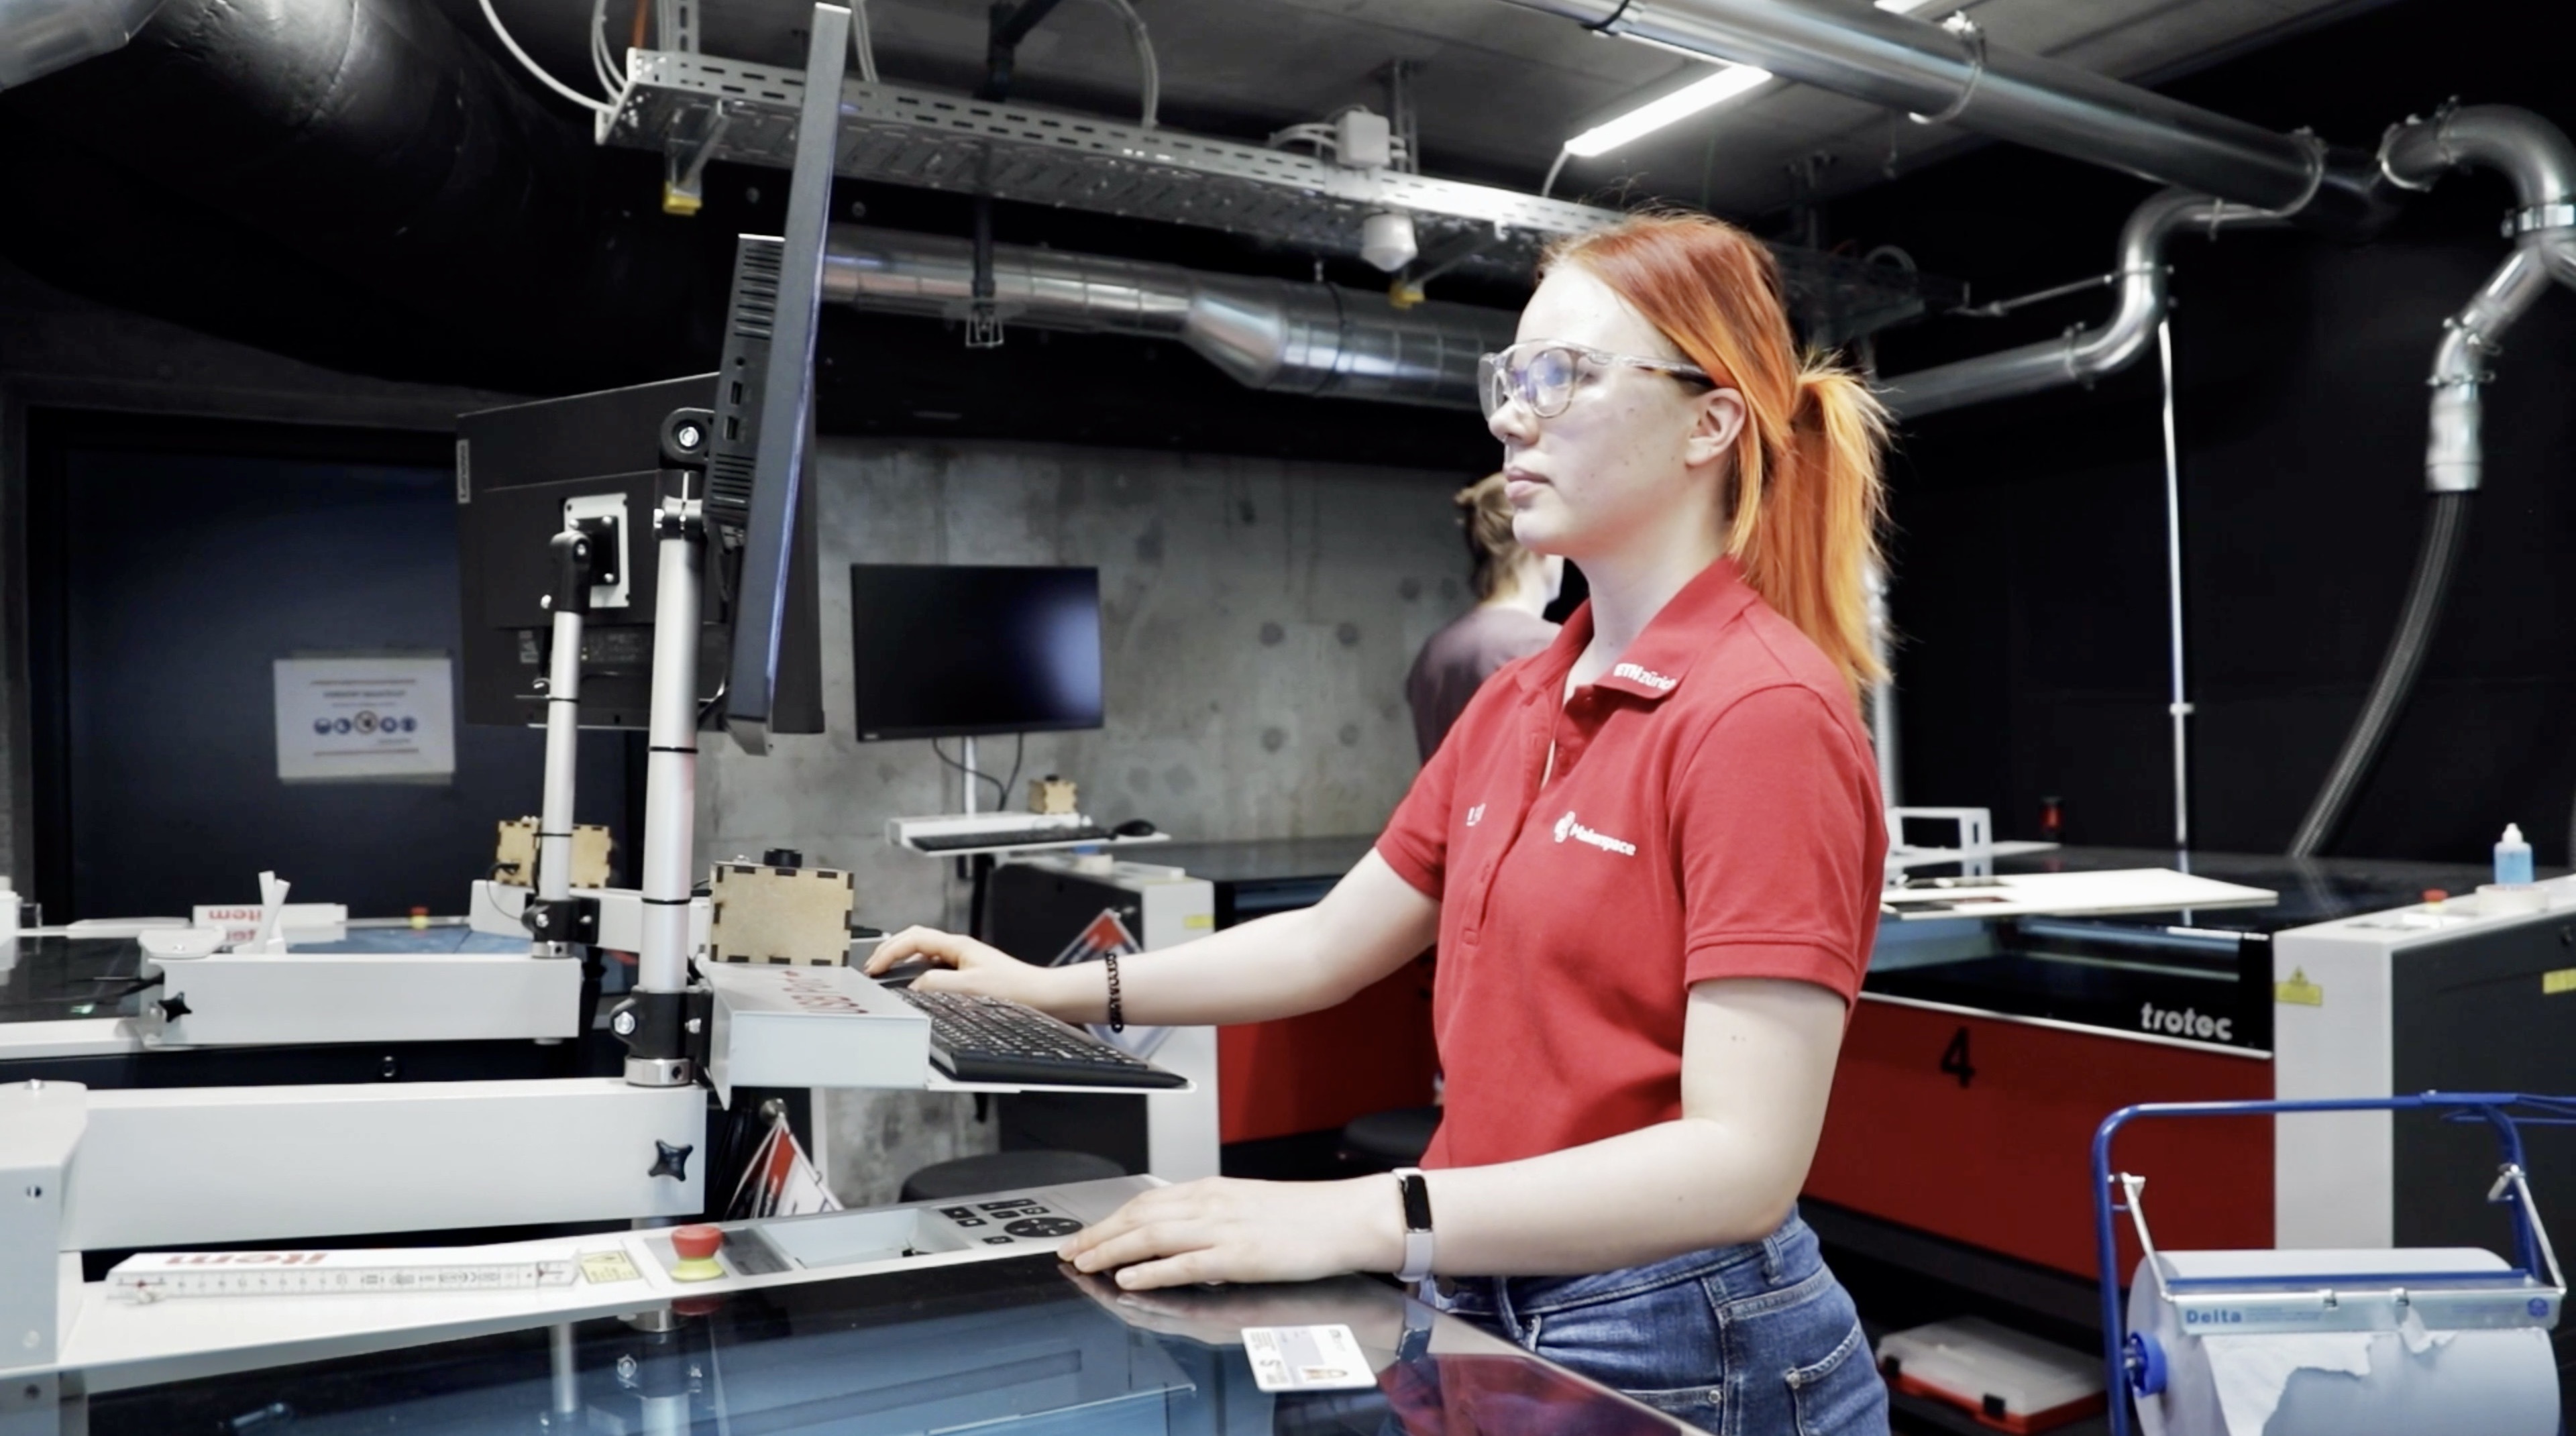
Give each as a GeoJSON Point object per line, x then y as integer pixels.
{"type": "Point", "coordinates": [1954, 1058]}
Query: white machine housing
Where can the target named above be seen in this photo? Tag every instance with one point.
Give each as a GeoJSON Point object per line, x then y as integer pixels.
{"type": "Point", "coordinates": [2408, 1000]}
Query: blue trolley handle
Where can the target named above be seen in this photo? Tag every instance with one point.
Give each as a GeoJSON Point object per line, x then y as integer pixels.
{"type": "Point", "coordinates": [2531, 1248]}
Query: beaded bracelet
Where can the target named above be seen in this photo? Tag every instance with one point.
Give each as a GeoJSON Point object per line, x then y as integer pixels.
{"type": "Point", "coordinates": [1117, 1016]}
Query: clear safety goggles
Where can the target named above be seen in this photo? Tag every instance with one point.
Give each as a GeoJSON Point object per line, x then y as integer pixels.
{"type": "Point", "coordinates": [1544, 373]}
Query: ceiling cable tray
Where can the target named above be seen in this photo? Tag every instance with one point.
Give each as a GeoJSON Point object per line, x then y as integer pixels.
{"type": "Point", "coordinates": [695, 108]}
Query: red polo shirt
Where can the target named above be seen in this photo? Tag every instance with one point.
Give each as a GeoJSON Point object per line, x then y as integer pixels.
{"type": "Point", "coordinates": [1713, 812]}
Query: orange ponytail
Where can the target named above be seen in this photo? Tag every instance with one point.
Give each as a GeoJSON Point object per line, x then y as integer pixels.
{"type": "Point", "coordinates": [1808, 495]}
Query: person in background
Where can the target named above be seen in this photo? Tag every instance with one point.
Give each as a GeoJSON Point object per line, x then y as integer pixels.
{"type": "Point", "coordinates": [1513, 589]}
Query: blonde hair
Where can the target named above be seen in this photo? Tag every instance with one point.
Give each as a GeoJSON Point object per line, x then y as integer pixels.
{"type": "Point", "coordinates": [1486, 517]}
{"type": "Point", "coordinates": [1808, 494]}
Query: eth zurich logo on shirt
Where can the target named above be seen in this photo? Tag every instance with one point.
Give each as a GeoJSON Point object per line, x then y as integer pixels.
{"type": "Point", "coordinates": [1647, 676]}
{"type": "Point", "coordinates": [1566, 828]}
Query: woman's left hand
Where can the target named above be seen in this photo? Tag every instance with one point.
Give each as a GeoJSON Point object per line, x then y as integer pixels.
{"type": "Point", "coordinates": [1221, 1229]}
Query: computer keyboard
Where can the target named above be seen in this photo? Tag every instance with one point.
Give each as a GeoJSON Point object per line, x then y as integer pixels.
{"type": "Point", "coordinates": [1009, 837]}
{"type": "Point", "coordinates": [992, 1039]}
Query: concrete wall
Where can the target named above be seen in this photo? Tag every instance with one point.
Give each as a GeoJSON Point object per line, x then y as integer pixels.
{"type": "Point", "coordinates": [1258, 618]}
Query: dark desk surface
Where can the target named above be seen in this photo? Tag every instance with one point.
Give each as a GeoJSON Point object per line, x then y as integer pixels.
{"type": "Point", "coordinates": [2311, 889]}
{"type": "Point", "coordinates": [1006, 1346]}
{"type": "Point", "coordinates": [1263, 859]}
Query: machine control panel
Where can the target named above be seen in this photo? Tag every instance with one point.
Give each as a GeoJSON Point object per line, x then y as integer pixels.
{"type": "Point", "coordinates": [1008, 1222]}
{"type": "Point", "coordinates": [1019, 1219]}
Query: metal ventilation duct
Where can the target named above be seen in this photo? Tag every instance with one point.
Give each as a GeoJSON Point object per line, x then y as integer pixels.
{"type": "Point", "coordinates": [1273, 334]}
{"type": "Point", "coordinates": [2082, 355]}
{"type": "Point", "coordinates": [2537, 159]}
{"type": "Point", "coordinates": [1959, 77]}
{"type": "Point", "coordinates": [38, 37]}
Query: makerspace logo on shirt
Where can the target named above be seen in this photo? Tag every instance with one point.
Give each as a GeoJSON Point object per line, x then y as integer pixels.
{"type": "Point", "coordinates": [1566, 828]}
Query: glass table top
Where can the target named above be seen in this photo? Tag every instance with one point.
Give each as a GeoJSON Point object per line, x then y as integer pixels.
{"type": "Point", "coordinates": [1015, 1345]}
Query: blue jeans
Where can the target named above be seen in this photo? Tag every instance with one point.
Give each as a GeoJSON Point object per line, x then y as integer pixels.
{"type": "Point", "coordinates": [1750, 1340]}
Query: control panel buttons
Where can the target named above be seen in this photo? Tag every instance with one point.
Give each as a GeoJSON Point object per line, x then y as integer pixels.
{"type": "Point", "coordinates": [1043, 1227]}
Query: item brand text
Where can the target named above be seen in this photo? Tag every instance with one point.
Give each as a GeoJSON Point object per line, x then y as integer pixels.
{"type": "Point", "coordinates": [2186, 1022]}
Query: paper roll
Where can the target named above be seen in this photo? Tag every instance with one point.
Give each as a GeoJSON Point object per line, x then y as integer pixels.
{"type": "Point", "coordinates": [2495, 1383]}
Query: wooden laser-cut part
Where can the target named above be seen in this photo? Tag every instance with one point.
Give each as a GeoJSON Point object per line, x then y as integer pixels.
{"type": "Point", "coordinates": [1052, 794]}
{"type": "Point", "coordinates": [514, 856]}
{"type": "Point", "coordinates": [780, 916]}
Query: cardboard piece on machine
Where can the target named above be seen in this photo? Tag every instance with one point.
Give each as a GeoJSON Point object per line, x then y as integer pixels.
{"type": "Point", "coordinates": [2123, 890]}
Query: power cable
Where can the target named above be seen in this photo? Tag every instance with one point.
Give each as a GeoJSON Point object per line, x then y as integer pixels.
{"type": "Point", "coordinates": [1019, 752]}
{"type": "Point", "coordinates": [502, 33]}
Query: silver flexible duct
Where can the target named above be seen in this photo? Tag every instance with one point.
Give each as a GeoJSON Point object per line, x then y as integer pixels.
{"type": "Point", "coordinates": [2445, 527]}
{"type": "Point", "coordinates": [2536, 157]}
{"type": "Point", "coordinates": [38, 37]}
{"type": "Point", "coordinates": [2082, 355]}
{"type": "Point", "coordinates": [1272, 334]}
{"type": "Point", "coordinates": [1954, 75]}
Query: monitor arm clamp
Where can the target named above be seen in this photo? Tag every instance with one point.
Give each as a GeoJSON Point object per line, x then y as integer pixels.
{"type": "Point", "coordinates": [559, 924]}
{"type": "Point", "coordinates": [664, 1021]}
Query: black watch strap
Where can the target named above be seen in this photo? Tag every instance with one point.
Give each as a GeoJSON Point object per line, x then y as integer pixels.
{"type": "Point", "coordinates": [1417, 1224]}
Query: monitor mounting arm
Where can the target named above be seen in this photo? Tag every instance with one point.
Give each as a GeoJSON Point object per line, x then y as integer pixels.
{"type": "Point", "coordinates": [559, 923]}
{"type": "Point", "coordinates": [664, 1022]}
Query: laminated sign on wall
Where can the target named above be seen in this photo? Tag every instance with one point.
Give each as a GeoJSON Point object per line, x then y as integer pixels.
{"type": "Point", "coordinates": [379, 719]}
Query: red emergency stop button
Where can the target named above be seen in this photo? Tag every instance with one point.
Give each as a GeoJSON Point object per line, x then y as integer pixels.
{"type": "Point", "coordinates": [695, 1246]}
{"type": "Point", "coordinates": [697, 1243]}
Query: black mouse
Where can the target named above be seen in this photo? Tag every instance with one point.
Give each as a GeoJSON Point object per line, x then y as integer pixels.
{"type": "Point", "coordinates": [902, 973]}
{"type": "Point", "coordinates": [1135, 828]}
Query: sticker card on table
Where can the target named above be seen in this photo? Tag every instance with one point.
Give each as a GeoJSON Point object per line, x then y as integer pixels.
{"type": "Point", "coordinates": [1306, 1358]}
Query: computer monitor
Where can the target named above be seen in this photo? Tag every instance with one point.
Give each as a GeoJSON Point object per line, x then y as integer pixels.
{"type": "Point", "coordinates": [957, 650]}
{"type": "Point", "coordinates": [525, 471]}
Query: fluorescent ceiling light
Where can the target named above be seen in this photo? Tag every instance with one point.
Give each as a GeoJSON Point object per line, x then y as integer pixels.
{"type": "Point", "coordinates": [1721, 85]}
{"type": "Point", "coordinates": [1725, 83]}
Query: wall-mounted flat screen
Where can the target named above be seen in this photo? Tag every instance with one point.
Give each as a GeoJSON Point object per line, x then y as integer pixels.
{"type": "Point", "coordinates": [946, 650]}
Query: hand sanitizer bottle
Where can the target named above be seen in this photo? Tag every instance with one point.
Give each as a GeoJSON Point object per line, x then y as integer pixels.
{"type": "Point", "coordinates": [2512, 858]}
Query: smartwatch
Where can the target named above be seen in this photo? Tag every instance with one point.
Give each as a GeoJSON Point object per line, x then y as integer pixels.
{"type": "Point", "coordinates": [1417, 1224]}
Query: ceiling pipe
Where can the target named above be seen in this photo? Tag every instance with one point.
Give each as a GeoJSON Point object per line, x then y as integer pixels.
{"type": "Point", "coordinates": [1952, 74]}
{"type": "Point", "coordinates": [386, 149]}
{"type": "Point", "coordinates": [38, 37]}
{"type": "Point", "coordinates": [2082, 356]}
{"type": "Point", "coordinates": [2536, 158]}
{"type": "Point", "coordinates": [1273, 334]}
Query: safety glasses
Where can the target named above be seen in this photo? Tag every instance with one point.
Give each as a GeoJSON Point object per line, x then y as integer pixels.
{"type": "Point", "coordinates": [1542, 374]}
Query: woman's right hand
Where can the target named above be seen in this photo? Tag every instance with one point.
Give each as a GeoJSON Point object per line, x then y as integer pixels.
{"type": "Point", "coordinates": [965, 965]}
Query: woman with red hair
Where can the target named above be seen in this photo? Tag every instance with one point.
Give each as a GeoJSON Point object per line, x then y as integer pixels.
{"type": "Point", "coordinates": [1651, 855]}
